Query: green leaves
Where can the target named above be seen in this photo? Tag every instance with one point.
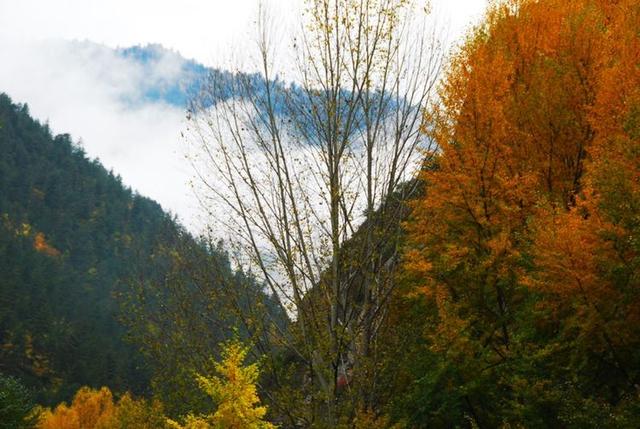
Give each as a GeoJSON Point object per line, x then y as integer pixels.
{"type": "Point", "coordinates": [17, 409]}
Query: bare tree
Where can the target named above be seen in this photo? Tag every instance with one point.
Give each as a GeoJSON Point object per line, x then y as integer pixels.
{"type": "Point", "coordinates": [298, 169]}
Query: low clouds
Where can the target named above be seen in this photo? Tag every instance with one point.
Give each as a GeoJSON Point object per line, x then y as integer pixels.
{"type": "Point", "coordinates": [97, 96]}
{"type": "Point", "coordinates": [196, 28]}
{"type": "Point", "coordinates": [102, 98]}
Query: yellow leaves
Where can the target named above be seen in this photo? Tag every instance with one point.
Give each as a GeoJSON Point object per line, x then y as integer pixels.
{"type": "Point", "coordinates": [139, 414]}
{"type": "Point", "coordinates": [234, 390]}
{"type": "Point", "coordinates": [38, 363]}
{"type": "Point", "coordinates": [356, 30]}
{"type": "Point", "coordinates": [62, 418]}
{"type": "Point", "coordinates": [191, 422]}
{"type": "Point", "coordinates": [25, 230]}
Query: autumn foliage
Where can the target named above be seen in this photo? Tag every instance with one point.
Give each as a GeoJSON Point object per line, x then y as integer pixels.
{"type": "Point", "coordinates": [41, 245]}
{"type": "Point", "coordinates": [89, 409]}
{"type": "Point", "coordinates": [235, 393]}
{"type": "Point", "coordinates": [518, 299]}
{"type": "Point", "coordinates": [96, 409]}
{"type": "Point", "coordinates": [525, 243]}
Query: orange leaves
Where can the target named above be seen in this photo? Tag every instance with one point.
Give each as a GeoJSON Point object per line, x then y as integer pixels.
{"type": "Point", "coordinates": [96, 409]}
{"type": "Point", "coordinates": [27, 231]}
{"type": "Point", "coordinates": [566, 252]}
{"type": "Point", "coordinates": [41, 245]}
{"type": "Point", "coordinates": [616, 113]}
{"type": "Point", "coordinates": [514, 129]}
{"type": "Point", "coordinates": [610, 185]}
{"type": "Point", "coordinates": [90, 409]}
{"type": "Point", "coordinates": [526, 244]}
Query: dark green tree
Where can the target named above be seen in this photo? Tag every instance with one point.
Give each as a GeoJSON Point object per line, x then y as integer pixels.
{"type": "Point", "coordinates": [17, 409]}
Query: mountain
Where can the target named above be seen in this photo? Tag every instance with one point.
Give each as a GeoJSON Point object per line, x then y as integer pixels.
{"type": "Point", "coordinates": [162, 75]}
{"type": "Point", "coordinates": [73, 242]}
{"type": "Point", "coordinates": [175, 78]}
{"type": "Point", "coordinates": [172, 79]}
{"type": "Point", "coordinates": [127, 106]}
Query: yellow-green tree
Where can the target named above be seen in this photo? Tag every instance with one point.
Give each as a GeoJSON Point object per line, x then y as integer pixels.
{"type": "Point", "coordinates": [235, 392]}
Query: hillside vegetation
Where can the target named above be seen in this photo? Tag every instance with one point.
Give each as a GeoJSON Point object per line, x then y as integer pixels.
{"type": "Point", "coordinates": [499, 287]}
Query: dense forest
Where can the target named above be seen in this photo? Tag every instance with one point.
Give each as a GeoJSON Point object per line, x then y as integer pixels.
{"type": "Point", "coordinates": [493, 286]}
{"type": "Point", "coordinates": [78, 249]}
{"type": "Point", "coordinates": [70, 234]}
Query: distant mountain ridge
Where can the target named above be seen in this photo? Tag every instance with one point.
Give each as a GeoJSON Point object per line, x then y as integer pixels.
{"type": "Point", "coordinates": [176, 80]}
{"type": "Point", "coordinates": [172, 79]}
{"type": "Point", "coordinates": [175, 87]}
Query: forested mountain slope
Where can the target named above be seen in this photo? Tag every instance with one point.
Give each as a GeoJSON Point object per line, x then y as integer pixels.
{"type": "Point", "coordinates": [72, 238]}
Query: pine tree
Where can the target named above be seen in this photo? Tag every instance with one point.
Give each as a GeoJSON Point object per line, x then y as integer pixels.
{"type": "Point", "coordinates": [235, 392]}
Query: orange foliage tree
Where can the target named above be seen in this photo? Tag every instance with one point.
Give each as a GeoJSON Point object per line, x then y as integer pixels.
{"type": "Point", "coordinates": [513, 128]}
{"type": "Point", "coordinates": [89, 409]}
{"type": "Point", "coordinates": [587, 257]}
{"type": "Point", "coordinates": [96, 409]}
{"type": "Point", "coordinates": [526, 235]}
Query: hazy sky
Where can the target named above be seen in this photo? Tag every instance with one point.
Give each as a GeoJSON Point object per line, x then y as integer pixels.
{"type": "Point", "coordinates": [196, 28]}
{"type": "Point", "coordinates": [79, 87]}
